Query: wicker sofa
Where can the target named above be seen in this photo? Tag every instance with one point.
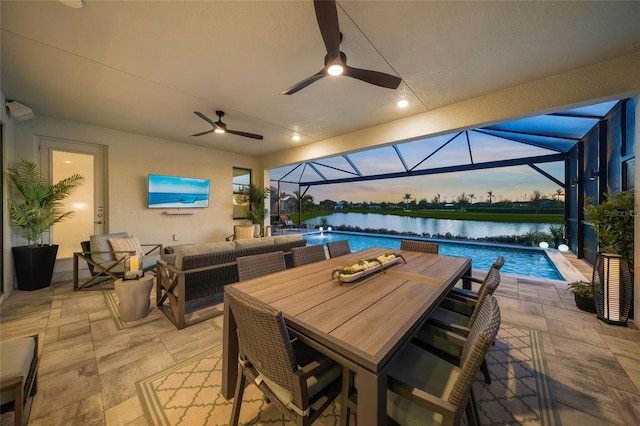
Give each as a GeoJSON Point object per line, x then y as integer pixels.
{"type": "Point", "coordinates": [199, 270]}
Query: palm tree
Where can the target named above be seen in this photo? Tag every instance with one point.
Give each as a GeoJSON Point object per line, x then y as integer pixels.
{"type": "Point", "coordinates": [535, 200]}
{"type": "Point", "coordinates": [472, 195]}
{"type": "Point", "coordinates": [462, 199]}
{"type": "Point", "coordinates": [559, 193]}
{"type": "Point", "coordinates": [490, 196]}
{"type": "Point", "coordinates": [407, 198]}
{"type": "Point", "coordinates": [302, 200]}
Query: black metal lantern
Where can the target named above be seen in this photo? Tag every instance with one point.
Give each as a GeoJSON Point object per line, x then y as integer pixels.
{"type": "Point", "coordinates": [612, 288]}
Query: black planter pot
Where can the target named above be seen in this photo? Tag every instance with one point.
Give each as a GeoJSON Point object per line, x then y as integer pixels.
{"type": "Point", "coordinates": [586, 304]}
{"type": "Point", "coordinates": [34, 266]}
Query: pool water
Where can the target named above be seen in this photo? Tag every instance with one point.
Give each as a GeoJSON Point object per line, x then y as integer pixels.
{"type": "Point", "coordinates": [532, 262]}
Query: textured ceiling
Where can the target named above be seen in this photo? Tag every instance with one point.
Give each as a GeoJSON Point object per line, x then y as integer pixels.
{"type": "Point", "coordinates": [144, 67]}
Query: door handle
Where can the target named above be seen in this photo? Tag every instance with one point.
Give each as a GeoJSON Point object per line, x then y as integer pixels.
{"type": "Point", "coordinates": [98, 222]}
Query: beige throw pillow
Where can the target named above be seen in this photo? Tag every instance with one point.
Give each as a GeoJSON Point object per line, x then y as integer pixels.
{"type": "Point", "coordinates": [126, 244]}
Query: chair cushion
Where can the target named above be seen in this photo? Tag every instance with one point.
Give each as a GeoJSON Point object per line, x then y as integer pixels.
{"type": "Point", "coordinates": [423, 370]}
{"type": "Point", "coordinates": [254, 242]}
{"type": "Point", "coordinates": [445, 316]}
{"type": "Point", "coordinates": [241, 232]}
{"type": "Point", "coordinates": [315, 384]}
{"type": "Point", "coordinates": [207, 248]}
{"type": "Point", "coordinates": [286, 238]}
{"type": "Point", "coordinates": [101, 243]}
{"type": "Point", "coordinates": [15, 361]}
{"type": "Point", "coordinates": [131, 243]}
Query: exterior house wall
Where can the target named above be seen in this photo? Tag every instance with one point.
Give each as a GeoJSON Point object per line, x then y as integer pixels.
{"type": "Point", "coordinates": [130, 159]}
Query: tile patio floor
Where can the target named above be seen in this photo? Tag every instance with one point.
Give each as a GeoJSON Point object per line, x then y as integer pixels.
{"type": "Point", "coordinates": [88, 367]}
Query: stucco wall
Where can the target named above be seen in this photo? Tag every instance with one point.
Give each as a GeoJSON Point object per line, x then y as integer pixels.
{"type": "Point", "coordinates": [130, 159]}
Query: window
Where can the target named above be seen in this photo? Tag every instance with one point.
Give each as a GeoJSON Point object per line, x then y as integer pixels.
{"type": "Point", "coordinates": [241, 181]}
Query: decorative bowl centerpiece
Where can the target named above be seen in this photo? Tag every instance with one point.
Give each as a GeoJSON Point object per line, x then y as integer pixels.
{"type": "Point", "coordinates": [365, 267]}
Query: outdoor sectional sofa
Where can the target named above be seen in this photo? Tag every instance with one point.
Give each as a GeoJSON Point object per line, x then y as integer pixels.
{"type": "Point", "coordinates": [200, 270]}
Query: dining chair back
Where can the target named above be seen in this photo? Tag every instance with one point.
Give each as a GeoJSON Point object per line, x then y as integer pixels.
{"type": "Point", "coordinates": [260, 264]}
{"type": "Point", "coordinates": [422, 384]}
{"type": "Point", "coordinates": [307, 254]}
{"type": "Point", "coordinates": [300, 381]}
{"type": "Point", "coordinates": [422, 246]}
{"type": "Point", "coordinates": [338, 248]}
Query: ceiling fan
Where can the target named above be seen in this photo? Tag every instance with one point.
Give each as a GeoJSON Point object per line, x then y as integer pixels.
{"type": "Point", "coordinates": [220, 127]}
{"type": "Point", "coordinates": [335, 62]}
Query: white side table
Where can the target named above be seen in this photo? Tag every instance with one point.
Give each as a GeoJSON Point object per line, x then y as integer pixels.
{"type": "Point", "coordinates": [134, 297]}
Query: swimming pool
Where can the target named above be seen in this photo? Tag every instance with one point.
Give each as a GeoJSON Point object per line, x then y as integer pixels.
{"type": "Point", "coordinates": [522, 261]}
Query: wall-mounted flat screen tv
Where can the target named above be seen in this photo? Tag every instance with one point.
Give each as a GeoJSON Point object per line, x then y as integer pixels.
{"type": "Point", "coordinates": [170, 192]}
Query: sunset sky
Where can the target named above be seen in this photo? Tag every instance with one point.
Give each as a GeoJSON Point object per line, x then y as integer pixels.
{"type": "Point", "coordinates": [507, 183]}
{"type": "Point", "coordinates": [447, 150]}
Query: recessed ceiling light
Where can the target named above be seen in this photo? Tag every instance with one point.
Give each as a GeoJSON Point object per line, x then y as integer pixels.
{"type": "Point", "coordinates": [403, 103]}
{"type": "Point", "coordinates": [296, 138]}
{"type": "Point", "coordinates": [76, 4]}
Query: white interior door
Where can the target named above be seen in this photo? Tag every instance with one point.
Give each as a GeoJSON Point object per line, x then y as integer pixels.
{"type": "Point", "coordinates": [59, 159]}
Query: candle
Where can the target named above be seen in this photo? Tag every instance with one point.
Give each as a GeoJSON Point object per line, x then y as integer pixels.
{"type": "Point", "coordinates": [134, 263]}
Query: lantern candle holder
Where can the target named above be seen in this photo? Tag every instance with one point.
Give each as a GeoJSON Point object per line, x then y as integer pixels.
{"type": "Point", "coordinates": [612, 288]}
{"type": "Point", "coordinates": [132, 270]}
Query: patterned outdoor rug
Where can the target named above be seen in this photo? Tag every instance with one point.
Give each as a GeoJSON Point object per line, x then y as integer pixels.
{"type": "Point", "coordinates": [189, 393]}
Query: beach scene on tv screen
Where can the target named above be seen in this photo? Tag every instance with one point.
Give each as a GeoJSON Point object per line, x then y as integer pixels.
{"type": "Point", "coordinates": [178, 192]}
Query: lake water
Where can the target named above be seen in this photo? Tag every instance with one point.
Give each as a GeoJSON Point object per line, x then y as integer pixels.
{"type": "Point", "coordinates": [469, 228]}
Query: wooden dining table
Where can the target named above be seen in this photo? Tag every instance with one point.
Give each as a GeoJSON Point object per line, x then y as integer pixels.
{"type": "Point", "coordinates": [362, 324]}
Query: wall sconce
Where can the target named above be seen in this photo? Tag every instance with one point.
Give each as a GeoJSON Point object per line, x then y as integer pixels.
{"type": "Point", "coordinates": [593, 174]}
{"type": "Point", "coordinates": [612, 288]}
{"type": "Point", "coordinates": [574, 182]}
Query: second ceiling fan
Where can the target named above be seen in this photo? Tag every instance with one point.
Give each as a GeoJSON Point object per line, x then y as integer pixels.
{"type": "Point", "coordinates": [220, 127]}
{"type": "Point", "coordinates": [335, 61]}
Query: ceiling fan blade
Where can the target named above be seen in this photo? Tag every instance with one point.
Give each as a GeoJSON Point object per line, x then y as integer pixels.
{"type": "Point", "coordinates": [204, 133]}
{"type": "Point", "coordinates": [245, 134]}
{"type": "Point", "coordinates": [327, 16]}
{"type": "Point", "coordinates": [205, 118]}
{"type": "Point", "coordinates": [374, 77]}
{"type": "Point", "coordinates": [304, 83]}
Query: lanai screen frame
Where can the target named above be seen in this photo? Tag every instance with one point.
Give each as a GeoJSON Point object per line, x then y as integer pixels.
{"type": "Point", "coordinates": [557, 136]}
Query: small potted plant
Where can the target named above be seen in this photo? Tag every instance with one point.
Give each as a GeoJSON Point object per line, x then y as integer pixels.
{"type": "Point", "coordinates": [34, 209]}
{"type": "Point", "coordinates": [583, 295]}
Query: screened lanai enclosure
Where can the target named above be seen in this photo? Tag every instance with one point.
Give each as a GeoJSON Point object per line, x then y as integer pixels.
{"type": "Point", "coordinates": [585, 151]}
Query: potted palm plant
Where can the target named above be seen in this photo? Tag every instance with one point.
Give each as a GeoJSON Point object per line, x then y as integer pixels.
{"type": "Point", "coordinates": [34, 209]}
{"type": "Point", "coordinates": [256, 197]}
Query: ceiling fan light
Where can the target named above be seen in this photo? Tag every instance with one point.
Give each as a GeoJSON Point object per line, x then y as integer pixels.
{"type": "Point", "coordinates": [335, 69]}
{"type": "Point", "coordinates": [219, 130]}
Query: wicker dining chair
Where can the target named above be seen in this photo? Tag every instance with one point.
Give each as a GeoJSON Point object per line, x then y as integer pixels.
{"type": "Point", "coordinates": [444, 318]}
{"type": "Point", "coordinates": [307, 254]}
{"type": "Point", "coordinates": [338, 248]}
{"type": "Point", "coordinates": [422, 246]}
{"type": "Point", "coordinates": [462, 293]}
{"type": "Point", "coordinates": [420, 383]}
{"type": "Point", "coordinates": [425, 389]}
{"type": "Point", "coordinates": [260, 264]}
{"type": "Point", "coordinates": [299, 380]}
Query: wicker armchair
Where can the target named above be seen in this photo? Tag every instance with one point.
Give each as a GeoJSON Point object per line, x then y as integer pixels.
{"type": "Point", "coordinates": [422, 246]}
{"type": "Point", "coordinates": [260, 264]}
{"type": "Point", "coordinates": [300, 381]}
{"type": "Point", "coordinates": [338, 248]}
{"type": "Point", "coordinates": [309, 254]}
{"type": "Point", "coordinates": [449, 317]}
